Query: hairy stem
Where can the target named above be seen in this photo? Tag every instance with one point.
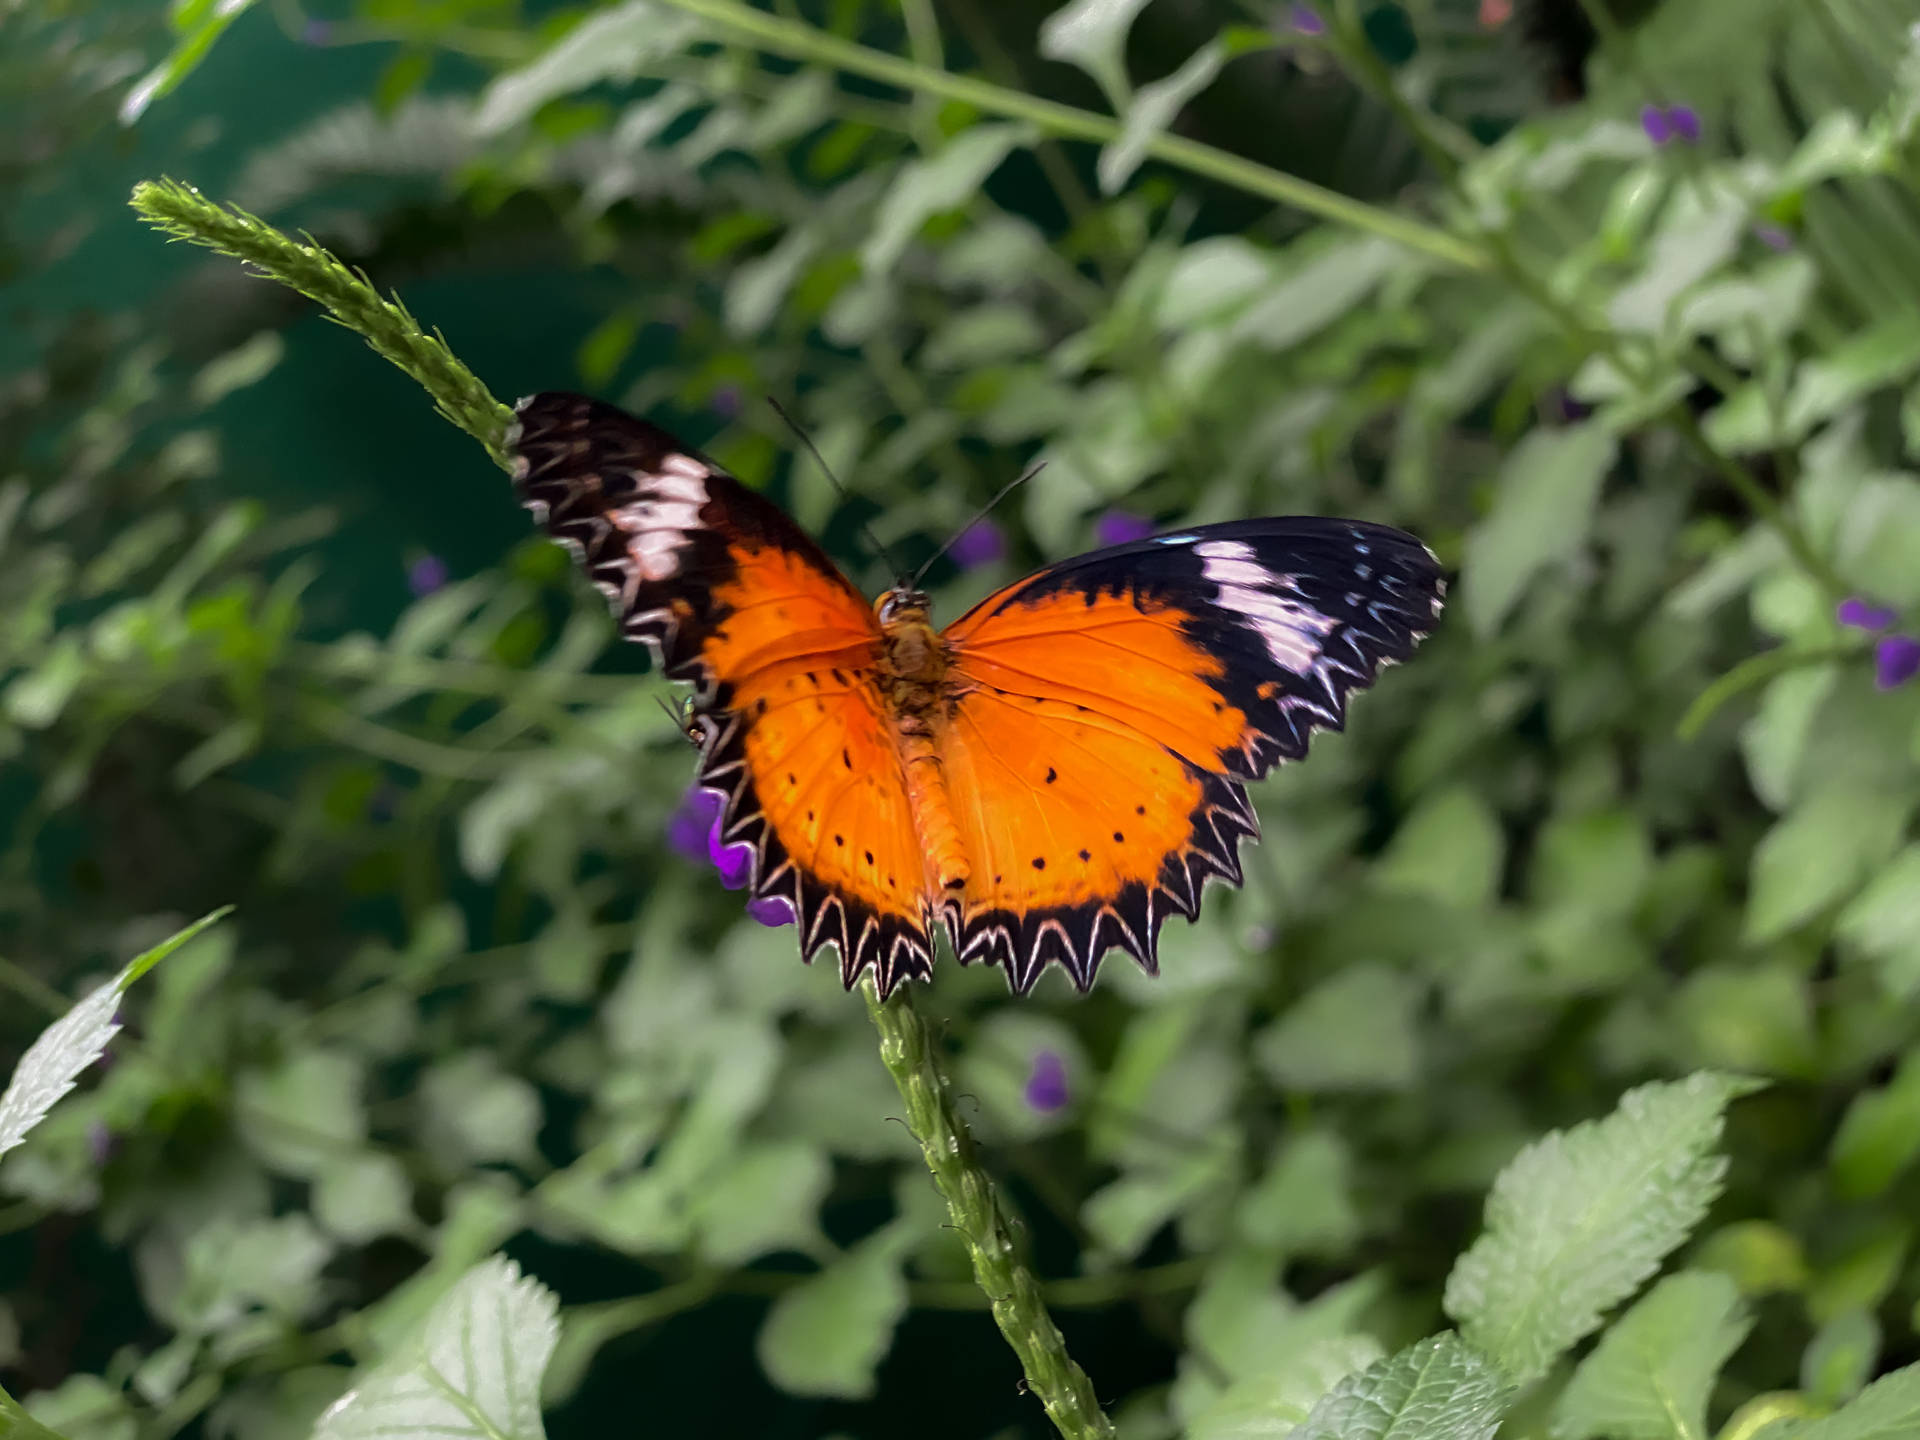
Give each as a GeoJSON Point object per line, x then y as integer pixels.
{"type": "Point", "coordinates": [907, 1048]}
{"type": "Point", "coordinates": [349, 298]}
{"type": "Point", "coordinates": [799, 41]}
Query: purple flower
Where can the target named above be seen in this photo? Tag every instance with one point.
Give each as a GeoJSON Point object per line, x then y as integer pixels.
{"type": "Point", "coordinates": [316, 32]}
{"type": "Point", "coordinates": [1859, 614]}
{"type": "Point", "coordinates": [1567, 410]}
{"type": "Point", "coordinates": [1667, 123]}
{"type": "Point", "coordinates": [1306, 20]}
{"type": "Point", "coordinates": [1774, 237]}
{"type": "Point", "coordinates": [695, 826]}
{"type": "Point", "coordinates": [1118, 527]}
{"type": "Point", "coordinates": [694, 833]}
{"type": "Point", "coordinates": [734, 862]}
{"type": "Point", "coordinates": [981, 543]}
{"type": "Point", "coordinates": [772, 911]}
{"type": "Point", "coordinates": [1896, 660]}
{"type": "Point", "coordinates": [1047, 1083]}
{"type": "Point", "coordinates": [426, 575]}
{"type": "Point", "coordinates": [100, 1143]}
{"type": "Point", "coordinates": [726, 401]}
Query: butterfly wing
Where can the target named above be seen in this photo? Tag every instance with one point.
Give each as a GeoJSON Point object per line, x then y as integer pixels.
{"type": "Point", "coordinates": [1112, 707]}
{"type": "Point", "coordinates": [738, 601]}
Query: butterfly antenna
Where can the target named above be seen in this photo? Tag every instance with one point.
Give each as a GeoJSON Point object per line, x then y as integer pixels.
{"type": "Point", "coordinates": [984, 511]}
{"type": "Point", "coordinates": [827, 470]}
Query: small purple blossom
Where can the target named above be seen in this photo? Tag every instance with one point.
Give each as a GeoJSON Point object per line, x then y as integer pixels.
{"type": "Point", "coordinates": [316, 32]}
{"type": "Point", "coordinates": [1774, 237]}
{"type": "Point", "coordinates": [100, 1143]}
{"type": "Point", "coordinates": [1667, 123]}
{"type": "Point", "coordinates": [734, 862]}
{"type": "Point", "coordinates": [1306, 20]}
{"type": "Point", "coordinates": [1119, 527]}
{"type": "Point", "coordinates": [772, 911]}
{"type": "Point", "coordinates": [1896, 660]}
{"type": "Point", "coordinates": [1567, 410]}
{"type": "Point", "coordinates": [426, 575]}
{"type": "Point", "coordinates": [981, 543]}
{"type": "Point", "coordinates": [692, 829]}
{"type": "Point", "coordinates": [1047, 1083]}
{"type": "Point", "coordinates": [1859, 614]}
{"type": "Point", "coordinates": [726, 401]}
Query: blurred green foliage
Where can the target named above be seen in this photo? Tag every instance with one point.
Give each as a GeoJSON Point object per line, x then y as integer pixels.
{"type": "Point", "coordinates": [1655, 401]}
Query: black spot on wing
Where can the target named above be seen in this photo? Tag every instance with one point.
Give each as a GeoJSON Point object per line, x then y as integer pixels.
{"type": "Point", "coordinates": [1079, 936]}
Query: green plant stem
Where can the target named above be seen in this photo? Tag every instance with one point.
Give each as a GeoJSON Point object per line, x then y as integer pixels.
{"type": "Point", "coordinates": [803, 42]}
{"type": "Point", "coordinates": [349, 298]}
{"type": "Point", "coordinates": [907, 1049]}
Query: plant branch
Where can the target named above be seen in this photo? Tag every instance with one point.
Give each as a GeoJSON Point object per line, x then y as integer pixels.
{"type": "Point", "coordinates": [803, 42]}
{"type": "Point", "coordinates": [349, 298]}
{"type": "Point", "coordinates": [907, 1048]}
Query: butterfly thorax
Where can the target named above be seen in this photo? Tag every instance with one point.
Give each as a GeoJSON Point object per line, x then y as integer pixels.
{"type": "Point", "coordinates": [913, 682]}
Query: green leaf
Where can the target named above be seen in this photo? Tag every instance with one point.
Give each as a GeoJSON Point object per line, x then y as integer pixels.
{"type": "Point", "coordinates": [1153, 108]}
{"type": "Point", "coordinates": [1325, 277]}
{"type": "Point", "coordinates": [1354, 1031]}
{"type": "Point", "coordinates": [475, 1112]}
{"type": "Point", "coordinates": [766, 1198]}
{"type": "Point", "coordinates": [197, 24]}
{"type": "Point", "coordinates": [1829, 383]}
{"type": "Point", "coordinates": [1651, 1374]}
{"type": "Point", "coordinates": [1581, 1218]}
{"type": "Point", "coordinates": [1775, 739]}
{"type": "Point", "coordinates": [1840, 1357]}
{"type": "Point", "coordinates": [1093, 35]}
{"type": "Point", "coordinates": [1820, 852]}
{"type": "Point", "coordinates": [1304, 1204]}
{"type": "Point", "coordinates": [473, 1370]}
{"type": "Point", "coordinates": [362, 1197]}
{"type": "Point", "coordinates": [1450, 850]}
{"type": "Point", "coordinates": [828, 1335]}
{"type": "Point", "coordinates": [1436, 1389]}
{"type": "Point", "coordinates": [1271, 1404]}
{"type": "Point", "coordinates": [612, 44]}
{"type": "Point", "coordinates": [81, 1407]}
{"type": "Point", "coordinates": [1888, 1409]}
{"type": "Point", "coordinates": [1879, 1136]}
{"type": "Point", "coordinates": [1541, 515]}
{"type": "Point", "coordinates": [305, 1113]}
{"type": "Point", "coordinates": [53, 1063]}
{"type": "Point", "coordinates": [1879, 534]}
{"type": "Point", "coordinates": [1691, 244]}
{"type": "Point", "coordinates": [1752, 1018]}
{"type": "Point", "coordinates": [941, 181]}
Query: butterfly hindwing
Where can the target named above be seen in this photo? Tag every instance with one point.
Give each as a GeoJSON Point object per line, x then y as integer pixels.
{"type": "Point", "coordinates": [739, 601]}
{"type": "Point", "coordinates": [1112, 706]}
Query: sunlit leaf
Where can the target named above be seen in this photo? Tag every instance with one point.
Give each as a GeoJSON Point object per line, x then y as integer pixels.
{"type": "Point", "coordinates": [1583, 1217]}
{"type": "Point", "coordinates": [473, 1370]}
{"type": "Point", "coordinates": [1437, 1389]}
{"type": "Point", "coordinates": [1651, 1373]}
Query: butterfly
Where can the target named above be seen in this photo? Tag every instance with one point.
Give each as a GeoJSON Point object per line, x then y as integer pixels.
{"type": "Point", "coordinates": [1048, 777]}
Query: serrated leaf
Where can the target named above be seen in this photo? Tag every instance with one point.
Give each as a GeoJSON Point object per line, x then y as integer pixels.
{"type": "Point", "coordinates": [53, 1063]}
{"type": "Point", "coordinates": [1437, 1389]}
{"type": "Point", "coordinates": [1541, 514]}
{"type": "Point", "coordinates": [1272, 1404]}
{"type": "Point", "coordinates": [473, 1371]}
{"type": "Point", "coordinates": [1651, 1373]}
{"type": "Point", "coordinates": [829, 1334]}
{"type": "Point", "coordinates": [1581, 1218]}
{"type": "Point", "coordinates": [1888, 1409]}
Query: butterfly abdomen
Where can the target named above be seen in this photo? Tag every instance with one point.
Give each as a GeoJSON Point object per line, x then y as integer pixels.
{"type": "Point", "coordinates": [913, 673]}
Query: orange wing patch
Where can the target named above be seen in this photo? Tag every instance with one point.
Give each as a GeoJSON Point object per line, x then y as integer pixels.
{"type": "Point", "coordinates": [823, 801]}
{"type": "Point", "coordinates": [1086, 781]}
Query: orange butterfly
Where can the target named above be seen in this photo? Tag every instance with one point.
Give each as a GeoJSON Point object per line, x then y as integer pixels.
{"type": "Point", "coordinates": [1048, 777]}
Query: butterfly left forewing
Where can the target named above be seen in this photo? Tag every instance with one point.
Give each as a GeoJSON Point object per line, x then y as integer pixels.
{"type": "Point", "coordinates": [1112, 706]}
{"type": "Point", "coordinates": [738, 601]}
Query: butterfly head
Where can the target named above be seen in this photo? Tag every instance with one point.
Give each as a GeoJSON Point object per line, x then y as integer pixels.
{"type": "Point", "coordinates": [902, 605]}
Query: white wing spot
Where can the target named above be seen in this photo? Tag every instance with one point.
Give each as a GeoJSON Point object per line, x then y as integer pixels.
{"type": "Point", "coordinates": [1291, 630]}
{"type": "Point", "coordinates": [658, 520]}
